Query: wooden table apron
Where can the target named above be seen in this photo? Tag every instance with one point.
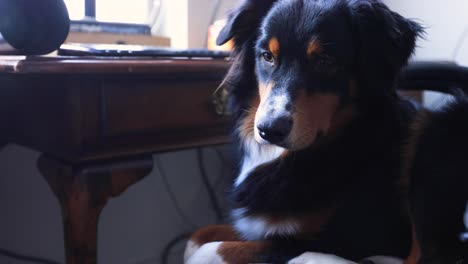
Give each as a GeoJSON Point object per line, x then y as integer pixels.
{"type": "Point", "coordinates": [97, 122]}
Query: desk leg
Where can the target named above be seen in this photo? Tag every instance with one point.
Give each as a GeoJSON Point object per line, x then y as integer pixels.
{"type": "Point", "coordinates": [83, 191]}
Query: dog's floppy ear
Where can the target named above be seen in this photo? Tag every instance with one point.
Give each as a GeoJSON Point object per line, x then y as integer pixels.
{"type": "Point", "coordinates": [385, 41]}
{"type": "Point", "coordinates": [244, 20]}
{"type": "Point", "coordinates": [240, 82]}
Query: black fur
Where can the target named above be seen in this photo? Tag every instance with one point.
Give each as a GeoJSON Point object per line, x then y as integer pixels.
{"type": "Point", "coordinates": [358, 168]}
{"type": "Point", "coordinates": [439, 187]}
{"type": "Point", "coordinates": [242, 27]}
{"type": "Point", "coordinates": [385, 42]}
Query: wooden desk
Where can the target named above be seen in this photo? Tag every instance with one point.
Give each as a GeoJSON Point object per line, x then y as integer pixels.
{"type": "Point", "coordinates": [97, 122]}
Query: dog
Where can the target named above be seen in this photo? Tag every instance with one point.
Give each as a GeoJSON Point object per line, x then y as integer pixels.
{"type": "Point", "coordinates": [321, 132]}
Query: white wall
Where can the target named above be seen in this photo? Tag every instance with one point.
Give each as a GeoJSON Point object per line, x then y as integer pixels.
{"type": "Point", "coordinates": [173, 22]}
{"type": "Point", "coordinates": [186, 21]}
{"type": "Point", "coordinates": [200, 14]}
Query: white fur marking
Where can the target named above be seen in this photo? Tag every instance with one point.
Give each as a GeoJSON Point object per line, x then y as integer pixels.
{"type": "Point", "coordinates": [190, 249]}
{"type": "Point", "coordinates": [256, 155]}
{"type": "Point", "coordinates": [207, 254]}
{"type": "Point", "coordinates": [319, 258]}
{"type": "Point", "coordinates": [257, 228]}
{"type": "Point", "coordinates": [280, 102]}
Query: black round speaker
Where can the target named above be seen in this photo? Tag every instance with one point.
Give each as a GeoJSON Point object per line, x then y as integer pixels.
{"type": "Point", "coordinates": [34, 27]}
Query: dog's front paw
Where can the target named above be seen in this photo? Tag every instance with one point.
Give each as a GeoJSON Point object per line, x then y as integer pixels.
{"type": "Point", "coordinates": [319, 258]}
{"type": "Point", "coordinates": [206, 254]}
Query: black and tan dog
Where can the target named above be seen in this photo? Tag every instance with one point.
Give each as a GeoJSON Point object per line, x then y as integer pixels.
{"type": "Point", "coordinates": [321, 131]}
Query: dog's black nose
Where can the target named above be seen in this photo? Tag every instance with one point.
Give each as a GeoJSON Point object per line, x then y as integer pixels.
{"type": "Point", "coordinates": [275, 130]}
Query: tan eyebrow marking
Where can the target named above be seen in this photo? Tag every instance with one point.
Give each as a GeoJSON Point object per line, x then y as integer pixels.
{"type": "Point", "coordinates": [313, 47]}
{"type": "Point", "coordinates": [274, 46]}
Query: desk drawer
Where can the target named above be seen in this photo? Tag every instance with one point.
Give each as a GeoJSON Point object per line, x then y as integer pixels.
{"type": "Point", "coordinates": [155, 115]}
{"type": "Point", "coordinates": [155, 107]}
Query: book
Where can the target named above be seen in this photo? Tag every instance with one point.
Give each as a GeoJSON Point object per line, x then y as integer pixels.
{"type": "Point", "coordinates": [93, 26]}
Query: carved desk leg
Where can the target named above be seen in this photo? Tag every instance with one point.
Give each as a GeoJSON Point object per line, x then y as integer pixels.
{"type": "Point", "coordinates": [83, 192]}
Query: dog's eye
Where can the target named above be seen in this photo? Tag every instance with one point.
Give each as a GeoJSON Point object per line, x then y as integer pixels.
{"type": "Point", "coordinates": [268, 57]}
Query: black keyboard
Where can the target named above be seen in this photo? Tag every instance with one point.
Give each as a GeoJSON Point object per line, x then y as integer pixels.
{"type": "Point", "coordinates": [117, 50]}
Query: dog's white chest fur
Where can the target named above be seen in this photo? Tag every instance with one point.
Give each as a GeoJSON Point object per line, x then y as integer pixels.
{"type": "Point", "coordinates": [256, 155]}
{"type": "Point", "coordinates": [258, 228]}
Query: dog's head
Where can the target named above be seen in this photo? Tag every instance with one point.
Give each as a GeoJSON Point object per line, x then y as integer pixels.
{"type": "Point", "coordinates": [301, 65]}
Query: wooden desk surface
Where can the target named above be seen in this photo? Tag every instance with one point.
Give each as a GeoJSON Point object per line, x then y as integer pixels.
{"type": "Point", "coordinates": [110, 65]}
{"type": "Point", "coordinates": [87, 109]}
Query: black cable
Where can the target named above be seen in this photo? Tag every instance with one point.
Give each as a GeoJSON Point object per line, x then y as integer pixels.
{"type": "Point", "coordinates": [18, 256]}
{"type": "Point", "coordinates": [172, 196]}
{"type": "Point", "coordinates": [211, 192]}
